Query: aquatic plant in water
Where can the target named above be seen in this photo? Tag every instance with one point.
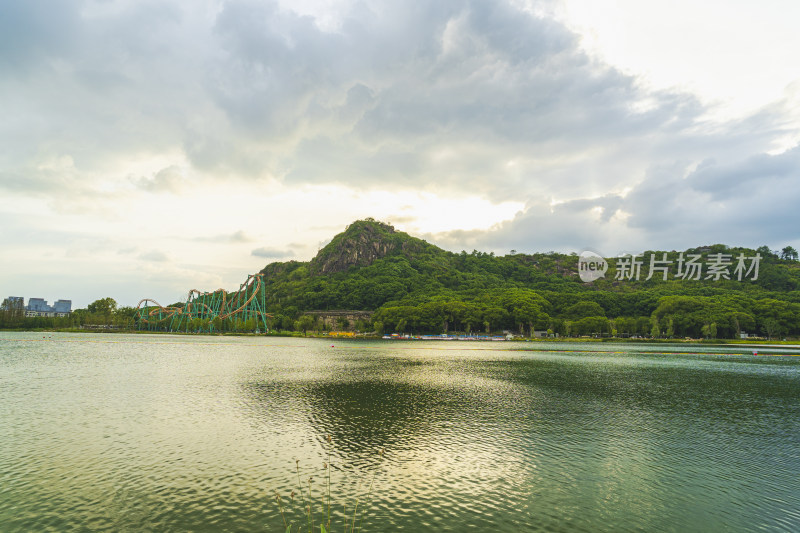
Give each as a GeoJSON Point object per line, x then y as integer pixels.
{"type": "Point", "coordinates": [303, 496]}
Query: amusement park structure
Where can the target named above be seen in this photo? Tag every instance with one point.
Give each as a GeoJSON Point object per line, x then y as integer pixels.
{"type": "Point", "coordinates": [241, 310]}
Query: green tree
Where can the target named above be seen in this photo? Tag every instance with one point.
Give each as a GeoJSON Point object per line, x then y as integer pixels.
{"type": "Point", "coordinates": [12, 313]}
{"type": "Point", "coordinates": [655, 332]}
{"type": "Point", "coordinates": [101, 311]}
{"type": "Point", "coordinates": [771, 328]}
{"type": "Point", "coordinates": [123, 316]}
{"type": "Point", "coordinates": [765, 251]}
{"type": "Point", "coordinates": [788, 253]}
{"type": "Point", "coordinates": [103, 306]}
{"type": "Point", "coordinates": [304, 323]}
{"type": "Point", "coordinates": [584, 309]}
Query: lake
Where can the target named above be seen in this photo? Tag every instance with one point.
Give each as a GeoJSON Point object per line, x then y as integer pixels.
{"type": "Point", "coordinates": [197, 433]}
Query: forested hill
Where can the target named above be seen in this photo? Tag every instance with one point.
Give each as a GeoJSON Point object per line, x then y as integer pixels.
{"type": "Point", "coordinates": [416, 286]}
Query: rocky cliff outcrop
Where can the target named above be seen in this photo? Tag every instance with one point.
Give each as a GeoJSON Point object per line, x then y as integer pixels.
{"type": "Point", "coordinates": [361, 244]}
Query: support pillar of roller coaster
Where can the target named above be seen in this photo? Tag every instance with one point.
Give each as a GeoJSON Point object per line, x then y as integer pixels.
{"type": "Point", "coordinates": [214, 311]}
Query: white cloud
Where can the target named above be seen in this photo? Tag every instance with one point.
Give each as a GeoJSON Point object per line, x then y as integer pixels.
{"type": "Point", "coordinates": [271, 253]}
{"type": "Point", "coordinates": [734, 54]}
{"type": "Point", "coordinates": [168, 179]}
{"type": "Point", "coordinates": [155, 256]}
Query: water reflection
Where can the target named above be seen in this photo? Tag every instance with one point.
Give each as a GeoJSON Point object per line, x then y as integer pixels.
{"type": "Point", "coordinates": [454, 446]}
{"type": "Point", "coordinates": [146, 434]}
{"type": "Point", "coordinates": [523, 440]}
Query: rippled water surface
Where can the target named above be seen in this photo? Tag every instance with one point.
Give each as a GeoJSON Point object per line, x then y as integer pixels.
{"type": "Point", "coordinates": [182, 433]}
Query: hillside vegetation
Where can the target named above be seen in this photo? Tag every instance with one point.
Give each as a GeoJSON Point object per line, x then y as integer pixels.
{"type": "Point", "coordinates": [414, 286]}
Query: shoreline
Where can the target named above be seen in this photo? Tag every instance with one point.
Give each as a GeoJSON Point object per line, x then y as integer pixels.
{"type": "Point", "coordinates": [792, 343]}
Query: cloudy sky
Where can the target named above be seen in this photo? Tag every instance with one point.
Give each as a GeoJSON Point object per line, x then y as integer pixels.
{"type": "Point", "coordinates": [150, 147]}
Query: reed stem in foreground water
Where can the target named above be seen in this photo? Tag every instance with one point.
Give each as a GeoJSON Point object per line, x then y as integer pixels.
{"type": "Point", "coordinates": [351, 523]}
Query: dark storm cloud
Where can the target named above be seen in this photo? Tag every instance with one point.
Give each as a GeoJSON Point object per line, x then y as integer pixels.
{"type": "Point", "coordinates": [475, 97]}
{"type": "Point", "coordinates": [34, 31]}
{"type": "Point", "coordinates": [748, 202]}
{"type": "Point", "coordinates": [397, 85]}
{"type": "Point", "coordinates": [745, 200]}
{"type": "Point", "coordinates": [258, 90]}
{"type": "Point", "coordinates": [96, 87]}
{"type": "Point", "coordinates": [736, 179]}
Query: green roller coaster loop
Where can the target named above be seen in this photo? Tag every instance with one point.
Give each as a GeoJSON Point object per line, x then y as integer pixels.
{"type": "Point", "coordinates": [216, 311]}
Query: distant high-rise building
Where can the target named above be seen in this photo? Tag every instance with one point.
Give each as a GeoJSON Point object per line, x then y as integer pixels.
{"type": "Point", "coordinates": [39, 307]}
{"type": "Point", "coordinates": [37, 304]}
{"type": "Point", "coordinates": [63, 306]}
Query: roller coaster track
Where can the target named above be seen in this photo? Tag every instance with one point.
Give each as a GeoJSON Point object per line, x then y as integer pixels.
{"type": "Point", "coordinates": [246, 303]}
